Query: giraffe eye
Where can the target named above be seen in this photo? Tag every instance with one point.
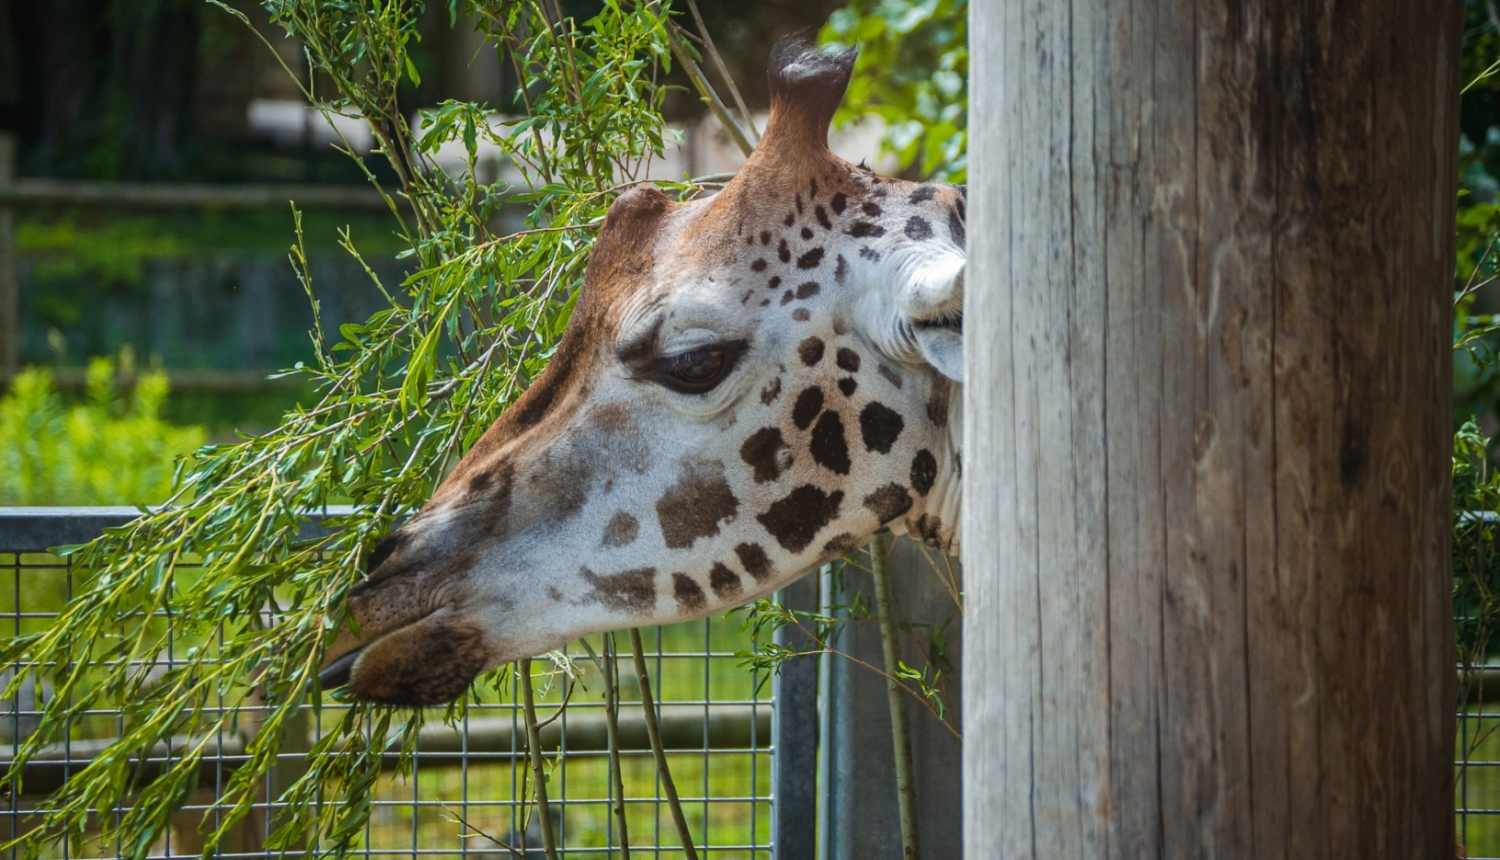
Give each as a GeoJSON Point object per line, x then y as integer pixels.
{"type": "Point", "coordinates": [699, 370]}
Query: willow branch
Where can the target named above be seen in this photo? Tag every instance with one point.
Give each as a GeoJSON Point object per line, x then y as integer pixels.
{"type": "Point", "coordinates": [654, 732]}
{"type": "Point", "coordinates": [612, 731]}
{"type": "Point", "coordinates": [539, 775]}
{"type": "Point", "coordinates": [906, 799]}
{"type": "Point", "coordinates": [713, 52]}
{"type": "Point", "coordinates": [705, 90]}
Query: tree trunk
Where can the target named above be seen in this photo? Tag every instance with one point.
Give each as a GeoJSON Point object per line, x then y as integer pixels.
{"type": "Point", "coordinates": [1207, 445]}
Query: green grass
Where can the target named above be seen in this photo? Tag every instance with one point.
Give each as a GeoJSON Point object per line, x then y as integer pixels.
{"type": "Point", "coordinates": [715, 791]}
{"type": "Point", "coordinates": [1478, 784]}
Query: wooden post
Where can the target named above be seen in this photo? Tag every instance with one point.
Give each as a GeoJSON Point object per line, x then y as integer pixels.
{"type": "Point", "coordinates": [1206, 483]}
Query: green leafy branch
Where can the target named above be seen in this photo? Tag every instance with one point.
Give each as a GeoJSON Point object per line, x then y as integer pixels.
{"type": "Point", "coordinates": [252, 600]}
{"type": "Point", "coordinates": [912, 72]}
{"type": "Point", "coordinates": [821, 631]}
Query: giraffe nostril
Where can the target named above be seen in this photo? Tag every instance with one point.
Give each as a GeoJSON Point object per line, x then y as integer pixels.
{"type": "Point", "coordinates": [386, 548]}
{"type": "Point", "coordinates": [376, 574]}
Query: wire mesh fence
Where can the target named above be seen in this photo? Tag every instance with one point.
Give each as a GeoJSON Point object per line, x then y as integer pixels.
{"type": "Point", "coordinates": [1477, 763]}
{"type": "Point", "coordinates": [468, 791]}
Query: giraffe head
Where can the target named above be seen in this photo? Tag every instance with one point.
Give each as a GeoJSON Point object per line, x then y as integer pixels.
{"type": "Point", "coordinates": [750, 385]}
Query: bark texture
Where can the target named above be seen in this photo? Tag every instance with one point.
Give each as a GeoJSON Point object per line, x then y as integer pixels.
{"type": "Point", "coordinates": [1207, 445]}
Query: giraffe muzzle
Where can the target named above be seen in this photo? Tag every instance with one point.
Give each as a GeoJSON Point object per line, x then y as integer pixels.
{"type": "Point", "coordinates": [413, 648]}
{"type": "Point", "coordinates": [428, 662]}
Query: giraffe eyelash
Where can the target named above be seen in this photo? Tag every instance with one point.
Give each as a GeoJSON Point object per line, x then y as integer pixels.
{"type": "Point", "coordinates": [698, 370]}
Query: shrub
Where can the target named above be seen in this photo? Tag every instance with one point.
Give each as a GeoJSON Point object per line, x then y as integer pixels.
{"type": "Point", "coordinates": [111, 449]}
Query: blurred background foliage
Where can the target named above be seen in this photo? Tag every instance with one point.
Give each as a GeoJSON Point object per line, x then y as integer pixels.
{"type": "Point", "coordinates": [912, 72]}
{"type": "Point", "coordinates": [1476, 378]}
{"type": "Point", "coordinates": [111, 447]}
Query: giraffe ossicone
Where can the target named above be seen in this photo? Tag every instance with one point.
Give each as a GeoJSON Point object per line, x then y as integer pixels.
{"type": "Point", "coordinates": [751, 384]}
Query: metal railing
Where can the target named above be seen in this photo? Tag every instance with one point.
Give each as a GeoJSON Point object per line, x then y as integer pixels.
{"type": "Point", "coordinates": [466, 793]}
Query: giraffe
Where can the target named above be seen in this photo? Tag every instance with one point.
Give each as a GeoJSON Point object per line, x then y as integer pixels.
{"type": "Point", "coordinates": [751, 384]}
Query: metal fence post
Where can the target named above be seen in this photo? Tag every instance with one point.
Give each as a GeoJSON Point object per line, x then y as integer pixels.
{"type": "Point", "coordinates": [858, 818]}
{"type": "Point", "coordinates": [794, 736]}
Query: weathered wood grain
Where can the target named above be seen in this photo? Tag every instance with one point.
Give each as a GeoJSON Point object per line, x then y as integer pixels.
{"type": "Point", "coordinates": [1207, 405]}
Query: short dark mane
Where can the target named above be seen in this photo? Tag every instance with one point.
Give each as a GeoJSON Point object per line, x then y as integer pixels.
{"type": "Point", "coordinates": [807, 80]}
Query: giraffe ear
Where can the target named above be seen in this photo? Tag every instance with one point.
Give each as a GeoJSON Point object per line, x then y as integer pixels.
{"type": "Point", "coordinates": [625, 250]}
{"type": "Point", "coordinates": [934, 306]}
{"type": "Point", "coordinates": [807, 84]}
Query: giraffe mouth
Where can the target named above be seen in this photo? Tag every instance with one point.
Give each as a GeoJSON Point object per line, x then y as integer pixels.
{"type": "Point", "coordinates": [337, 673]}
{"type": "Point", "coordinates": [952, 321]}
{"type": "Point", "coordinates": [340, 671]}
{"type": "Point", "coordinates": [426, 663]}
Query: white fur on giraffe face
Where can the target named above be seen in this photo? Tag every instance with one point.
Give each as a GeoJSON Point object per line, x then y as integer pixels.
{"type": "Point", "coordinates": [752, 384]}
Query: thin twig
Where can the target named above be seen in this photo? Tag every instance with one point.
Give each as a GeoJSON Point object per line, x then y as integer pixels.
{"type": "Point", "coordinates": [539, 775]}
{"type": "Point", "coordinates": [945, 575]}
{"type": "Point", "coordinates": [906, 799]}
{"type": "Point", "coordinates": [706, 90]}
{"type": "Point", "coordinates": [653, 731]}
{"type": "Point", "coordinates": [1469, 287]}
{"type": "Point", "coordinates": [713, 51]}
{"type": "Point", "coordinates": [556, 715]}
{"type": "Point", "coordinates": [825, 648]}
{"type": "Point", "coordinates": [612, 731]}
{"type": "Point", "coordinates": [478, 832]}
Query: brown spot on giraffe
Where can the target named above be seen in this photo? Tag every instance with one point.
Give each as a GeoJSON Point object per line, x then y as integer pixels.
{"type": "Point", "coordinates": [828, 446]}
{"type": "Point", "coordinates": [880, 426]}
{"type": "Point", "coordinates": [613, 418]}
{"type": "Point", "coordinates": [621, 530]}
{"type": "Point", "coordinates": [694, 506]}
{"type": "Point", "coordinates": [847, 359]}
{"type": "Point", "coordinates": [771, 391]}
{"type": "Point", "coordinates": [840, 544]}
{"type": "Point", "coordinates": [756, 562]}
{"type": "Point", "coordinates": [923, 472]}
{"type": "Point", "coordinates": [810, 351]}
{"type": "Point", "coordinates": [689, 594]}
{"type": "Point", "coordinates": [937, 407]}
{"type": "Point", "coordinates": [796, 519]}
{"type": "Point", "coordinates": [632, 591]}
{"type": "Point", "coordinates": [809, 404]}
{"type": "Point", "coordinates": [929, 530]}
{"type": "Point", "coordinates": [767, 453]}
{"type": "Point", "coordinates": [888, 502]}
{"type": "Point", "coordinates": [724, 582]}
